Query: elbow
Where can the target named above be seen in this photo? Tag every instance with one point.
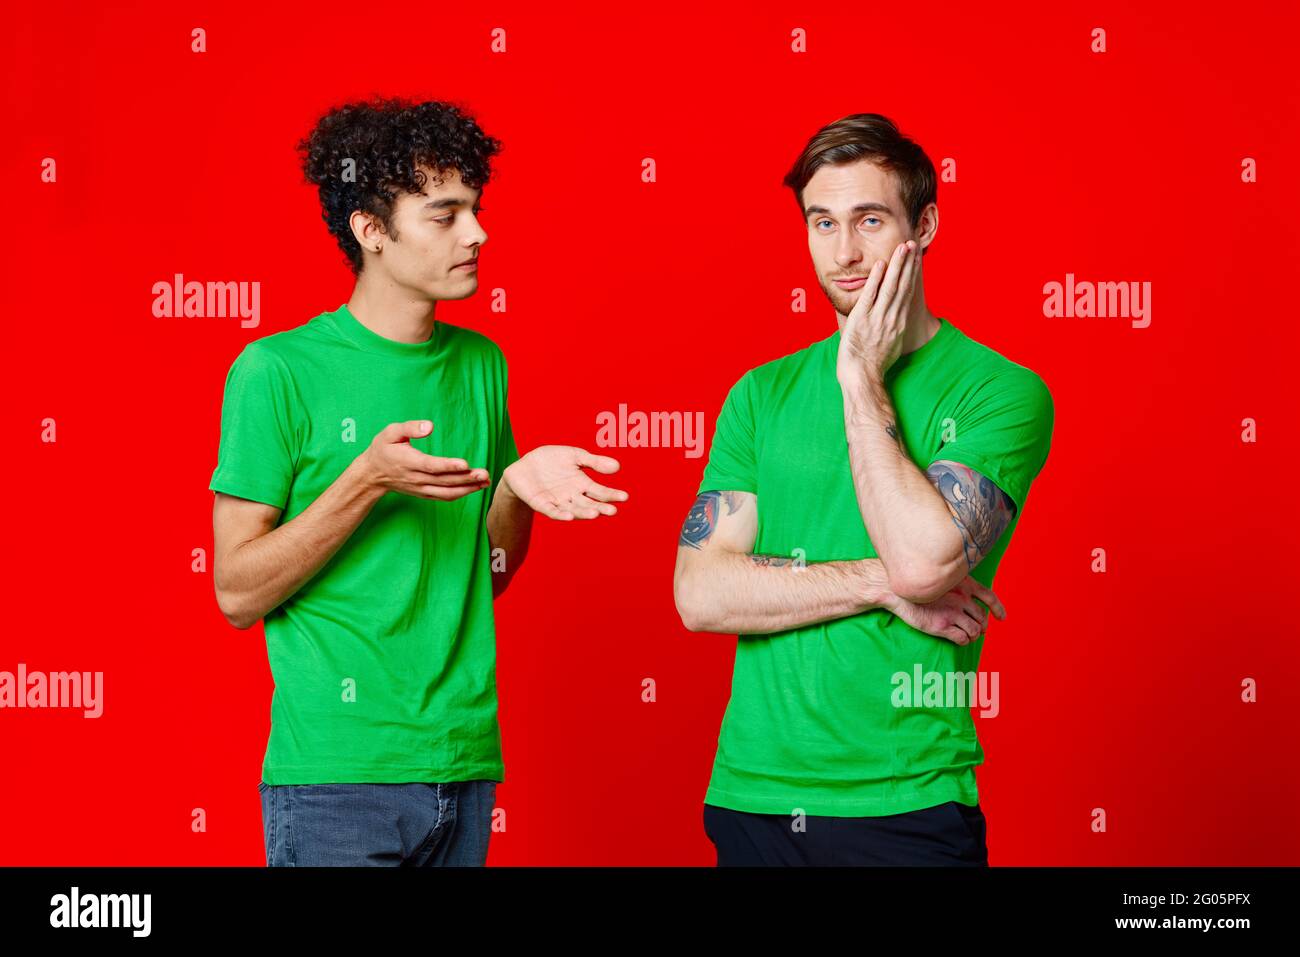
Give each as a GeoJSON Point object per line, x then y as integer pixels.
{"type": "Point", "coordinates": [503, 567]}
{"type": "Point", "coordinates": [692, 623]}
{"type": "Point", "coordinates": [920, 582]}
{"type": "Point", "coordinates": [234, 611]}
{"type": "Point", "coordinates": [685, 610]}
{"type": "Point", "coordinates": [240, 620]}
{"type": "Point", "coordinates": [688, 607]}
{"type": "Point", "coordinates": [500, 582]}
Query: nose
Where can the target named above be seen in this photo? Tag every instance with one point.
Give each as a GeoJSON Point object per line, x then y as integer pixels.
{"type": "Point", "coordinates": [476, 236]}
{"type": "Point", "coordinates": [847, 251]}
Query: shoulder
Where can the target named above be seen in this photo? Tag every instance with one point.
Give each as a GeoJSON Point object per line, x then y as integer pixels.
{"type": "Point", "coordinates": [770, 375]}
{"type": "Point", "coordinates": [279, 352]}
{"type": "Point", "coordinates": [263, 358]}
{"type": "Point", "coordinates": [792, 363]}
{"type": "Point", "coordinates": [995, 377]}
{"type": "Point", "coordinates": [1014, 381]}
{"type": "Point", "coordinates": [470, 342]}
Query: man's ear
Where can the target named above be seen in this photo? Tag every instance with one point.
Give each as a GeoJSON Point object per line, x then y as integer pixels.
{"type": "Point", "coordinates": [927, 227]}
{"type": "Point", "coordinates": [366, 230]}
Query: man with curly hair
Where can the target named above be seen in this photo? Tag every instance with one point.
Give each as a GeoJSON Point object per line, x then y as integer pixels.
{"type": "Point", "coordinates": [371, 503]}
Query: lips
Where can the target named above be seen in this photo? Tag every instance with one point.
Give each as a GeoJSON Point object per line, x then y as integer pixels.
{"type": "Point", "coordinates": [851, 283]}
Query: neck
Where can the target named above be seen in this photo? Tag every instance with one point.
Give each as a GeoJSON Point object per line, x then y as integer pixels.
{"type": "Point", "coordinates": [387, 309]}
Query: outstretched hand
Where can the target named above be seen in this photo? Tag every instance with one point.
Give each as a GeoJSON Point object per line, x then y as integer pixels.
{"type": "Point", "coordinates": [550, 480]}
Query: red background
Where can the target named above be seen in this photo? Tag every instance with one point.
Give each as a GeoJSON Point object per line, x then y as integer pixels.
{"type": "Point", "coordinates": [1119, 691]}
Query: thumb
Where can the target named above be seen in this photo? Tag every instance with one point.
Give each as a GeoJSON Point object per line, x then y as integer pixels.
{"type": "Point", "coordinates": [405, 431]}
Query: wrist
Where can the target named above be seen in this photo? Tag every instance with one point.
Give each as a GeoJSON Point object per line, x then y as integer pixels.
{"type": "Point", "coordinates": [859, 387]}
{"type": "Point", "coordinates": [364, 477]}
{"type": "Point", "coordinates": [874, 585]}
{"type": "Point", "coordinates": [866, 403]}
{"type": "Point", "coordinates": [504, 488]}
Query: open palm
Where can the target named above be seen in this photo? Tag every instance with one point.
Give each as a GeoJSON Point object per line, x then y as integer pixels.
{"type": "Point", "coordinates": [550, 480]}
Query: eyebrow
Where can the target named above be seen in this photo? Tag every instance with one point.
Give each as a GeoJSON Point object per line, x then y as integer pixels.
{"type": "Point", "coordinates": [860, 208]}
{"type": "Point", "coordinates": [444, 203]}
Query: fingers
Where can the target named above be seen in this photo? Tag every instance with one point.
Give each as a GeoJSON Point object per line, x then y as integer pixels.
{"type": "Point", "coordinates": [956, 635]}
{"type": "Point", "coordinates": [600, 463]}
{"type": "Point", "coordinates": [449, 493]}
{"type": "Point", "coordinates": [575, 506]}
{"type": "Point", "coordinates": [979, 616]}
{"type": "Point", "coordinates": [583, 507]}
{"type": "Point", "coordinates": [403, 432]}
{"type": "Point", "coordinates": [908, 279]}
{"type": "Point", "coordinates": [597, 498]}
{"type": "Point", "coordinates": [969, 625]}
{"type": "Point", "coordinates": [991, 600]}
{"type": "Point", "coordinates": [551, 509]}
{"type": "Point", "coordinates": [436, 465]}
{"type": "Point", "coordinates": [889, 286]}
{"type": "Point", "coordinates": [601, 493]}
{"type": "Point", "coordinates": [867, 295]}
{"type": "Point", "coordinates": [447, 486]}
{"type": "Point", "coordinates": [448, 479]}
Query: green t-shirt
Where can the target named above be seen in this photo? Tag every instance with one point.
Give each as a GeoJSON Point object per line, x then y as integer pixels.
{"type": "Point", "coordinates": [811, 723]}
{"type": "Point", "coordinates": [384, 661]}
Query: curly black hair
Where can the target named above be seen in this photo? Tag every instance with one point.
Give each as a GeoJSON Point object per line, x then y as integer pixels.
{"type": "Point", "coordinates": [387, 139]}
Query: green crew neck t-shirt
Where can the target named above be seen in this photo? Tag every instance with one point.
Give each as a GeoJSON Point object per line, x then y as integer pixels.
{"type": "Point", "coordinates": [384, 662]}
{"type": "Point", "coordinates": [812, 724]}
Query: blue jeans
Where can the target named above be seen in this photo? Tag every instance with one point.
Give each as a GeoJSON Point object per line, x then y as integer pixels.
{"type": "Point", "coordinates": [412, 825]}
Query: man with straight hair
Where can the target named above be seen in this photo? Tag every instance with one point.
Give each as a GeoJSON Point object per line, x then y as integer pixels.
{"type": "Point", "coordinates": [858, 497]}
{"type": "Point", "coordinates": [371, 503]}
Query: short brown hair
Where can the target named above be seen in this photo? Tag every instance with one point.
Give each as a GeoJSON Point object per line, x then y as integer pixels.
{"type": "Point", "coordinates": [869, 136]}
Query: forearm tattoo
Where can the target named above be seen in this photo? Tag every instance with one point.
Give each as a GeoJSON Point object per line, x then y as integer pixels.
{"type": "Point", "coordinates": [703, 517]}
{"type": "Point", "coordinates": [981, 510]}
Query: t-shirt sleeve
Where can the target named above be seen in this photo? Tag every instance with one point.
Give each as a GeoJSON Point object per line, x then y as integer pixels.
{"type": "Point", "coordinates": [258, 446]}
{"type": "Point", "coordinates": [1004, 433]}
{"type": "Point", "coordinates": [732, 465]}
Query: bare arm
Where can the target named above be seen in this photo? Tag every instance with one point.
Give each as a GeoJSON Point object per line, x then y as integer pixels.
{"type": "Point", "coordinates": [509, 527]}
{"type": "Point", "coordinates": [257, 565]}
{"type": "Point", "coordinates": [720, 586]}
{"type": "Point", "coordinates": [980, 513]}
{"type": "Point", "coordinates": [929, 528]}
{"type": "Point", "coordinates": [549, 479]}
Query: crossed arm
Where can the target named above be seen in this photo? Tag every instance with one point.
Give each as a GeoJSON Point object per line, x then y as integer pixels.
{"type": "Point", "coordinates": [720, 586]}
{"type": "Point", "coordinates": [929, 528]}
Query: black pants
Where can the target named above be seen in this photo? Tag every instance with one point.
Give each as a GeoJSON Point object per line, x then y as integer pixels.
{"type": "Point", "coordinates": [950, 834]}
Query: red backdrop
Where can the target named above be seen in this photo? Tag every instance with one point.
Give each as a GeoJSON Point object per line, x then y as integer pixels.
{"type": "Point", "coordinates": [1120, 690]}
